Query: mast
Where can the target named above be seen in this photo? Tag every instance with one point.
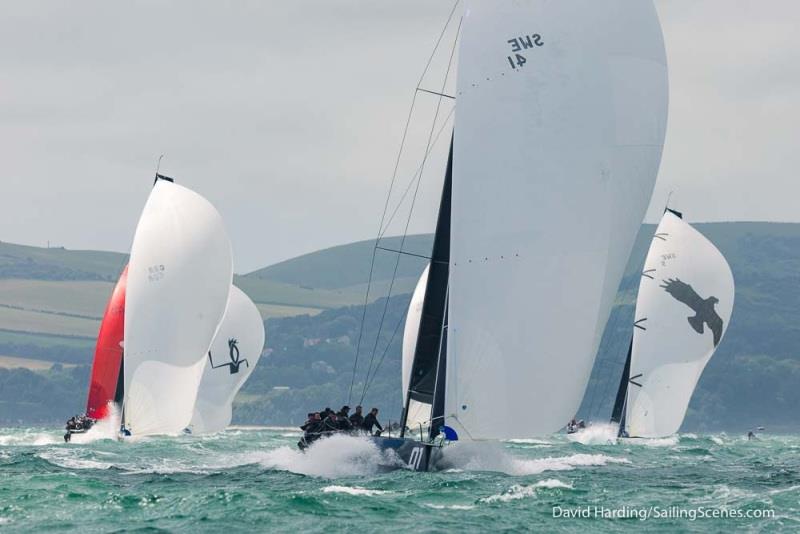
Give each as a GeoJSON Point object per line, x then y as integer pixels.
{"type": "Point", "coordinates": [426, 371]}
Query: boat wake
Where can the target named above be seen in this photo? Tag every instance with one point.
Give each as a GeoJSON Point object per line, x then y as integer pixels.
{"type": "Point", "coordinates": [334, 457]}
{"type": "Point", "coordinates": [487, 456]}
{"type": "Point", "coordinates": [596, 434]}
{"type": "Point", "coordinates": [106, 428]}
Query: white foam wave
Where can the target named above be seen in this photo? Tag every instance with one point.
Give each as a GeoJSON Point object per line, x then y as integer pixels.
{"type": "Point", "coordinates": [68, 460]}
{"type": "Point", "coordinates": [717, 440]}
{"type": "Point", "coordinates": [27, 438]}
{"type": "Point", "coordinates": [528, 441]}
{"type": "Point", "coordinates": [450, 506]}
{"type": "Point", "coordinates": [106, 428]}
{"type": "Point", "coordinates": [519, 491]}
{"type": "Point", "coordinates": [353, 490]}
{"type": "Point", "coordinates": [596, 434]}
{"type": "Point", "coordinates": [333, 457]}
{"type": "Point", "coordinates": [488, 456]}
{"type": "Point", "coordinates": [670, 441]}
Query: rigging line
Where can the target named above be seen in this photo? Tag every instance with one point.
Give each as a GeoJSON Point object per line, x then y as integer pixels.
{"type": "Point", "coordinates": [403, 252]}
{"type": "Point", "coordinates": [388, 197]}
{"type": "Point", "coordinates": [621, 316]}
{"type": "Point", "coordinates": [413, 202]}
{"type": "Point", "coordinates": [435, 93]}
{"type": "Point", "coordinates": [383, 356]}
{"type": "Point", "coordinates": [416, 174]}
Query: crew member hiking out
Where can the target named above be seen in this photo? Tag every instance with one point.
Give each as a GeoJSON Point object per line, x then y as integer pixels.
{"type": "Point", "coordinates": [371, 420]}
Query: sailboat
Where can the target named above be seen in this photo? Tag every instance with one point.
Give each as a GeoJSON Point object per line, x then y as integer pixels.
{"type": "Point", "coordinates": [105, 383]}
{"type": "Point", "coordinates": [179, 278]}
{"type": "Point", "coordinates": [234, 354]}
{"type": "Point", "coordinates": [560, 117]}
{"type": "Point", "coordinates": [682, 312]}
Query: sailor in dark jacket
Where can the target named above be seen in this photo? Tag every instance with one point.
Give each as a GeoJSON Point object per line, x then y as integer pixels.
{"type": "Point", "coordinates": [357, 419]}
{"type": "Point", "coordinates": [371, 420]}
{"type": "Point", "coordinates": [343, 418]}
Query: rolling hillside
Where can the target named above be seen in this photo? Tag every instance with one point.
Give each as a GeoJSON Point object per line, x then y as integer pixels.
{"type": "Point", "coordinates": [312, 304]}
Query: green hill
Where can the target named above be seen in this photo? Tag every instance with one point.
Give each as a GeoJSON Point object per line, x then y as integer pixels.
{"type": "Point", "coordinates": [752, 380]}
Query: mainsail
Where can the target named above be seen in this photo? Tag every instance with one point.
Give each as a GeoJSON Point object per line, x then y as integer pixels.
{"type": "Point", "coordinates": [560, 121]}
{"type": "Point", "coordinates": [418, 413]}
{"type": "Point", "coordinates": [105, 384]}
{"type": "Point", "coordinates": [684, 305]}
{"type": "Point", "coordinates": [230, 361]}
{"type": "Point", "coordinates": [179, 277]}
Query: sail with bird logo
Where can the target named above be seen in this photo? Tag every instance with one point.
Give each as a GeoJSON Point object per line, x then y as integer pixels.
{"type": "Point", "coordinates": [684, 305]}
{"type": "Point", "coordinates": [230, 361]}
{"type": "Point", "coordinates": [179, 278]}
{"type": "Point", "coordinates": [105, 383]}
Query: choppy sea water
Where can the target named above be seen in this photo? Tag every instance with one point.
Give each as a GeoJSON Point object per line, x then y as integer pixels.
{"type": "Point", "coordinates": [254, 479]}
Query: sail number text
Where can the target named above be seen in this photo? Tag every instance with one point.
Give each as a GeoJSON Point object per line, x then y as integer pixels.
{"type": "Point", "coordinates": [519, 44]}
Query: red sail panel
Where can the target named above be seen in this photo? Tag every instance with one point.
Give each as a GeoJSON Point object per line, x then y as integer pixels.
{"type": "Point", "coordinates": [107, 366]}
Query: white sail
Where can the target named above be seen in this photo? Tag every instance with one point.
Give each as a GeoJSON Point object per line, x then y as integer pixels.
{"type": "Point", "coordinates": [419, 413]}
{"type": "Point", "coordinates": [233, 355]}
{"type": "Point", "coordinates": [683, 308]}
{"type": "Point", "coordinates": [560, 122]}
{"type": "Point", "coordinates": [179, 276]}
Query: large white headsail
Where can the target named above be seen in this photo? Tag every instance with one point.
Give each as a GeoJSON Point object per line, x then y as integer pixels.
{"type": "Point", "coordinates": [683, 308]}
{"type": "Point", "coordinates": [233, 356]}
{"type": "Point", "coordinates": [419, 413]}
{"type": "Point", "coordinates": [560, 121]}
{"type": "Point", "coordinates": [179, 276]}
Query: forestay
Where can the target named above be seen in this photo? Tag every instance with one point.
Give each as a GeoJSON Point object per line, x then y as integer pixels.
{"type": "Point", "coordinates": [179, 277]}
{"type": "Point", "coordinates": [683, 309]}
{"type": "Point", "coordinates": [234, 353]}
{"type": "Point", "coordinates": [561, 113]}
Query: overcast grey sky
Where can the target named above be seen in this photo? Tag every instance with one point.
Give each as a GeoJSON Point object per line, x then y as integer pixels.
{"type": "Point", "coordinates": [288, 115]}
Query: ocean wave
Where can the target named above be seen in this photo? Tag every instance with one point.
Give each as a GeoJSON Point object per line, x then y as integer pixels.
{"type": "Point", "coordinates": [450, 506]}
{"type": "Point", "coordinates": [68, 460]}
{"type": "Point", "coordinates": [519, 491]}
{"type": "Point", "coordinates": [528, 441]}
{"type": "Point", "coordinates": [670, 441]}
{"type": "Point", "coordinates": [333, 457]}
{"type": "Point", "coordinates": [27, 438]}
{"type": "Point", "coordinates": [487, 456]}
{"type": "Point", "coordinates": [596, 434]}
{"type": "Point", "coordinates": [353, 491]}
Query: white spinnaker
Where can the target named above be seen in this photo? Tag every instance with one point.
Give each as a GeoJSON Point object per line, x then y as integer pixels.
{"type": "Point", "coordinates": [240, 338]}
{"type": "Point", "coordinates": [179, 278]}
{"type": "Point", "coordinates": [670, 354]}
{"type": "Point", "coordinates": [419, 413]}
{"type": "Point", "coordinates": [553, 167]}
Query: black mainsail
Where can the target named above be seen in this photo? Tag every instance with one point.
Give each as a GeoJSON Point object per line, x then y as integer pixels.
{"type": "Point", "coordinates": [426, 383]}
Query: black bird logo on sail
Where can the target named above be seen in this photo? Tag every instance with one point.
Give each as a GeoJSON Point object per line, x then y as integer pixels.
{"type": "Point", "coordinates": [705, 314]}
{"type": "Point", "coordinates": [233, 353]}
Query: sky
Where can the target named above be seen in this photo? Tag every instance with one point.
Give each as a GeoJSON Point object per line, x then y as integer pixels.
{"type": "Point", "coordinates": [288, 116]}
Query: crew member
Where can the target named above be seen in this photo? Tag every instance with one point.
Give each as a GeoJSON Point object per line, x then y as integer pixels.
{"type": "Point", "coordinates": [343, 418]}
{"type": "Point", "coordinates": [357, 419]}
{"type": "Point", "coordinates": [371, 420]}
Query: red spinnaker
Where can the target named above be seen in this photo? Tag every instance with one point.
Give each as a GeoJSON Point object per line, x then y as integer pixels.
{"type": "Point", "coordinates": [105, 385]}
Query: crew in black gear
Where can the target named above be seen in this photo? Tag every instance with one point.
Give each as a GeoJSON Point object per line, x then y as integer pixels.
{"type": "Point", "coordinates": [371, 420]}
{"type": "Point", "coordinates": [343, 418]}
{"type": "Point", "coordinates": [357, 419]}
